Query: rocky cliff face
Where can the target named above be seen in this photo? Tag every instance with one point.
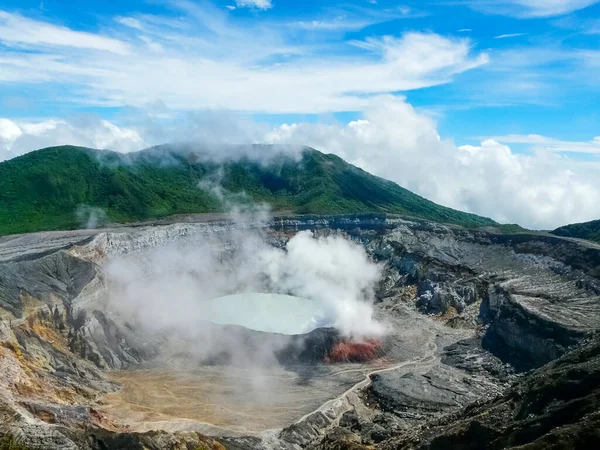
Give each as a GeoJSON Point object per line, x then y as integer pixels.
{"type": "Point", "coordinates": [554, 407]}
{"type": "Point", "coordinates": [489, 303]}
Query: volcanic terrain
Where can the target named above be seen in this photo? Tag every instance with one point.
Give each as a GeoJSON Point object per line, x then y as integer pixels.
{"type": "Point", "coordinates": [468, 312]}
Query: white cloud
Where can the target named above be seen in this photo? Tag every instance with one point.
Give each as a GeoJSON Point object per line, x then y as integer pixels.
{"type": "Point", "coordinates": [130, 22]}
{"type": "Point", "coordinates": [9, 131]}
{"type": "Point", "coordinates": [154, 46]}
{"type": "Point", "coordinates": [548, 8]}
{"type": "Point", "coordinates": [538, 142]}
{"type": "Point", "coordinates": [356, 19]}
{"type": "Point", "coordinates": [258, 4]}
{"type": "Point", "coordinates": [540, 190]}
{"type": "Point", "coordinates": [16, 29]}
{"type": "Point", "coordinates": [337, 23]}
{"type": "Point", "coordinates": [511, 35]}
{"type": "Point", "coordinates": [530, 8]}
{"type": "Point", "coordinates": [17, 138]}
{"type": "Point", "coordinates": [203, 60]}
{"type": "Point", "coordinates": [591, 58]}
{"type": "Point", "coordinates": [238, 68]}
{"type": "Point", "coordinates": [543, 190]}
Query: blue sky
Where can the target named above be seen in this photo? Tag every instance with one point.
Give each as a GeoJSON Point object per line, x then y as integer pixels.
{"type": "Point", "coordinates": [550, 90]}
{"type": "Point", "coordinates": [522, 74]}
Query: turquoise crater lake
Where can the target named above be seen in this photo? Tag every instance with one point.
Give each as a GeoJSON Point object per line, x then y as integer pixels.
{"type": "Point", "coordinates": [272, 313]}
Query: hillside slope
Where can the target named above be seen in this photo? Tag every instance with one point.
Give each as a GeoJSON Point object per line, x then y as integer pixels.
{"type": "Point", "coordinates": [45, 189]}
{"type": "Point", "coordinates": [585, 230]}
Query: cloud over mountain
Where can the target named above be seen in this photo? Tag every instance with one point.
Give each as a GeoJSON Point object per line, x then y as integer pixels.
{"type": "Point", "coordinates": [540, 189]}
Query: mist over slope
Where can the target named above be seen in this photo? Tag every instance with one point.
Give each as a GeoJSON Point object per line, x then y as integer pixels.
{"type": "Point", "coordinates": [69, 187]}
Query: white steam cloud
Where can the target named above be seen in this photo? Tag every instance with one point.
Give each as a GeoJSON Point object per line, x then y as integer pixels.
{"type": "Point", "coordinates": [165, 290]}
{"type": "Point", "coordinates": [332, 270]}
{"type": "Point", "coordinates": [91, 216]}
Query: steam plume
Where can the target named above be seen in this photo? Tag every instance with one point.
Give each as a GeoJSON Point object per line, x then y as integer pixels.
{"type": "Point", "coordinates": [165, 289]}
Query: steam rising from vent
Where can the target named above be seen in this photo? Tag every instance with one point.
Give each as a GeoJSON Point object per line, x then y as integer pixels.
{"type": "Point", "coordinates": [168, 289]}
{"type": "Point", "coordinates": [332, 270]}
{"type": "Point", "coordinates": [91, 216]}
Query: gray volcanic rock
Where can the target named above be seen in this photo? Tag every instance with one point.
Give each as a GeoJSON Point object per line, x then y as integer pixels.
{"type": "Point", "coordinates": [469, 356]}
{"type": "Point", "coordinates": [556, 406]}
{"type": "Point", "coordinates": [413, 395]}
{"type": "Point", "coordinates": [417, 397]}
{"type": "Point", "coordinates": [310, 348]}
{"type": "Point", "coordinates": [52, 278]}
{"type": "Point", "coordinates": [537, 297]}
{"type": "Point", "coordinates": [470, 307]}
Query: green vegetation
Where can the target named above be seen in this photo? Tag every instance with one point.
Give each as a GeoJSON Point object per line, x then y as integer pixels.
{"type": "Point", "coordinates": [511, 228]}
{"type": "Point", "coordinates": [586, 230]}
{"type": "Point", "coordinates": [43, 190]}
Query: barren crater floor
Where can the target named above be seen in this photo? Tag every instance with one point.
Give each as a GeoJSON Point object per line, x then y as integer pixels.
{"type": "Point", "coordinates": [467, 310]}
{"type": "Point", "coordinates": [232, 400]}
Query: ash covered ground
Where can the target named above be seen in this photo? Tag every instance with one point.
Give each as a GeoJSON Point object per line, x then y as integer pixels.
{"type": "Point", "coordinates": [103, 345]}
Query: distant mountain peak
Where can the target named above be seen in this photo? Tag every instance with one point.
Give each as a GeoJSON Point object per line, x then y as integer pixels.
{"type": "Point", "coordinates": [44, 189]}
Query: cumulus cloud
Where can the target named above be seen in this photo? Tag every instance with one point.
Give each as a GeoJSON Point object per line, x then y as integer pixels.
{"type": "Point", "coordinates": [19, 137]}
{"type": "Point", "coordinates": [540, 189]}
{"type": "Point", "coordinates": [9, 131]}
